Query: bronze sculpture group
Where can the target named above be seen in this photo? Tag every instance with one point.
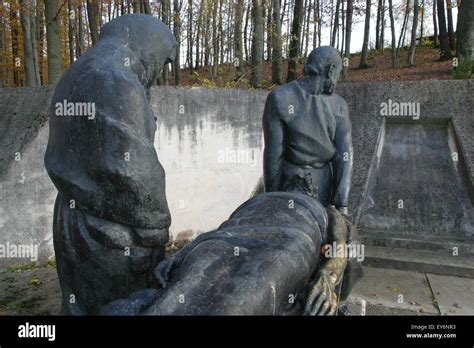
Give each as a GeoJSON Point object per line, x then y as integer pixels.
{"type": "Point", "coordinates": [111, 216]}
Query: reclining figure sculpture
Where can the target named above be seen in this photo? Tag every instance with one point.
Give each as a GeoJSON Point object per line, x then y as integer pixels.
{"type": "Point", "coordinates": [263, 260]}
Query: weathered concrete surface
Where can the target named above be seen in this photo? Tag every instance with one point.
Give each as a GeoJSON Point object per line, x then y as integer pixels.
{"type": "Point", "coordinates": [408, 291]}
{"type": "Point", "coordinates": [416, 187]}
{"type": "Point", "coordinates": [440, 262]}
{"type": "Point", "coordinates": [23, 112]}
{"type": "Point", "coordinates": [210, 144]}
{"type": "Point", "coordinates": [35, 291]}
{"type": "Point", "coordinates": [454, 295]}
{"type": "Point", "coordinates": [26, 193]}
{"type": "Point", "coordinates": [438, 100]}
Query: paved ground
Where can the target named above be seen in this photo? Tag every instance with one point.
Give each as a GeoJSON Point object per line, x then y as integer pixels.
{"type": "Point", "coordinates": [35, 290]}
{"type": "Point", "coordinates": [394, 292]}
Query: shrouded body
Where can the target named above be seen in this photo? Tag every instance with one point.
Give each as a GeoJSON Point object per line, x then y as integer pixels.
{"type": "Point", "coordinates": [255, 263]}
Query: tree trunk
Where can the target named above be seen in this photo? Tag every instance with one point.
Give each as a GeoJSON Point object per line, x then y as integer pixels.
{"type": "Point", "coordinates": [343, 28]}
{"type": "Point", "coordinates": [198, 37]}
{"type": "Point", "coordinates": [14, 33]}
{"type": "Point", "coordinates": [295, 40]}
{"type": "Point", "coordinates": [320, 20]}
{"type": "Point", "coordinates": [34, 45]}
{"type": "Point", "coordinates": [53, 40]}
{"type": "Point", "coordinates": [29, 62]}
{"type": "Point", "coordinates": [306, 32]}
{"type": "Point", "coordinates": [365, 47]}
{"type": "Point", "coordinates": [465, 31]}
{"type": "Point", "coordinates": [404, 26]}
{"type": "Point", "coordinates": [215, 38]}
{"type": "Point", "coordinates": [70, 32]}
{"type": "Point", "coordinates": [411, 55]}
{"type": "Point", "coordinates": [80, 32]}
{"type": "Point", "coordinates": [378, 25]}
{"type": "Point", "coordinates": [239, 56]}
{"type": "Point", "coordinates": [177, 34]}
{"type": "Point", "coordinates": [247, 12]}
{"type": "Point", "coordinates": [136, 6]}
{"type": "Point", "coordinates": [347, 53]}
{"type": "Point", "coordinates": [3, 52]}
{"type": "Point", "coordinates": [394, 39]}
{"type": "Point", "coordinates": [207, 46]}
{"type": "Point", "coordinates": [40, 34]}
{"type": "Point", "coordinates": [146, 7]}
{"type": "Point", "coordinates": [443, 33]}
{"type": "Point", "coordinates": [165, 17]}
{"type": "Point", "coordinates": [382, 30]}
{"type": "Point", "coordinates": [435, 24]}
{"type": "Point", "coordinates": [93, 17]}
{"type": "Point", "coordinates": [336, 23]}
{"type": "Point", "coordinates": [452, 40]}
{"type": "Point", "coordinates": [229, 31]}
{"type": "Point", "coordinates": [269, 29]}
{"type": "Point", "coordinates": [220, 33]}
{"type": "Point", "coordinates": [276, 42]}
{"type": "Point", "coordinates": [283, 11]}
{"type": "Point", "coordinates": [315, 23]}
{"type": "Point", "coordinates": [257, 43]}
{"type": "Point", "coordinates": [422, 22]}
{"type": "Point", "coordinates": [190, 35]}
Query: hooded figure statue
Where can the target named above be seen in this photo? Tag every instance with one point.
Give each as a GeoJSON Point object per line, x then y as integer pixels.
{"type": "Point", "coordinates": [111, 216]}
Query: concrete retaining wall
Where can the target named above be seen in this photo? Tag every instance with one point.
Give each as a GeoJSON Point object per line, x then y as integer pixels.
{"type": "Point", "coordinates": [210, 143]}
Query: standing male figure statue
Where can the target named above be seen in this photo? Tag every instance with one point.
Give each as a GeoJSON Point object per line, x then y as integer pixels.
{"type": "Point", "coordinates": [111, 216]}
{"type": "Point", "coordinates": [308, 132]}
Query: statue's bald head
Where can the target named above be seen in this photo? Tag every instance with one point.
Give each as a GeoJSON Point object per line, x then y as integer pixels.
{"type": "Point", "coordinates": [326, 63]}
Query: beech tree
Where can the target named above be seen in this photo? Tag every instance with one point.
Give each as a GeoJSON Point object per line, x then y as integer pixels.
{"type": "Point", "coordinates": [294, 47]}
{"type": "Point", "coordinates": [443, 33]}
{"type": "Point", "coordinates": [411, 55]}
{"type": "Point", "coordinates": [276, 43]}
{"type": "Point", "coordinates": [347, 52]}
{"type": "Point", "coordinates": [257, 43]}
{"type": "Point", "coordinates": [53, 41]}
{"type": "Point", "coordinates": [365, 47]}
{"type": "Point", "coordinates": [465, 32]}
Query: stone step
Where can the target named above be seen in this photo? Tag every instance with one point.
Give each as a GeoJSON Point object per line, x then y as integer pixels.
{"type": "Point", "coordinates": [464, 247]}
{"type": "Point", "coordinates": [437, 262]}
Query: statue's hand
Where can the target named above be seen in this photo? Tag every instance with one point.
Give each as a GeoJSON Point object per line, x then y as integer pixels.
{"type": "Point", "coordinates": [322, 299]}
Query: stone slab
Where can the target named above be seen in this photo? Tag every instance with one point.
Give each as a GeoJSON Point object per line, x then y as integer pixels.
{"type": "Point", "coordinates": [439, 262]}
{"type": "Point", "coordinates": [455, 295]}
{"type": "Point", "coordinates": [383, 287]}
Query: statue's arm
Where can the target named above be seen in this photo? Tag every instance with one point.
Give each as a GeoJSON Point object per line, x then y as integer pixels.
{"type": "Point", "coordinates": [342, 161]}
{"type": "Point", "coordinates": [322, 298]}
{"type": "Point", "coordinates": [125, 165]}
{"type": "Point", "coordinates": [273, 132]}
